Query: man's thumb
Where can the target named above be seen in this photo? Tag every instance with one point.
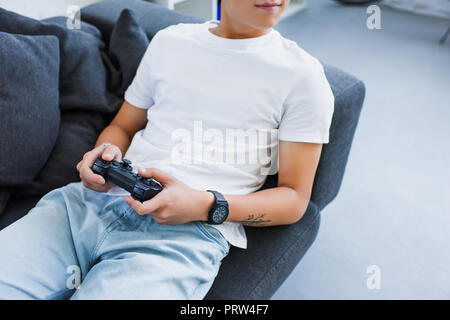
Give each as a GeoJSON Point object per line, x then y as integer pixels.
{"type": "Point", "coordinates": [158, 175]}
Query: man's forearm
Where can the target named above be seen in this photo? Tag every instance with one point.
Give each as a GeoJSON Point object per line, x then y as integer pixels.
{"type": "Point", "coordinates": [270, 207]}
{"type": "Point", "coordinates": [115, 135]}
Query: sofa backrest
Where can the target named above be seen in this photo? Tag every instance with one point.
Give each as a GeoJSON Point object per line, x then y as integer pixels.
{"type": "Point", "coordinates": [151, 17]}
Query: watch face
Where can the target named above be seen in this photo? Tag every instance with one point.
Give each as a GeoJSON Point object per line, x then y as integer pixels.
{"type": "Point", "coordinates": [220, 214]}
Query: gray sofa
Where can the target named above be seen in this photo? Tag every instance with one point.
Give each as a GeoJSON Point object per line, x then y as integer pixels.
{"type": "Point", "coordinates": [272, 252]}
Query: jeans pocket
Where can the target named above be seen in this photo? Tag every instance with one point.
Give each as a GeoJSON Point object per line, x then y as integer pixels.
{"type": "Point", "coordinates": [215, 235]}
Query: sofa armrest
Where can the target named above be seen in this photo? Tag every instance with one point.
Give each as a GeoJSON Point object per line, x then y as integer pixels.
{"type": "Point", "coordinates": [349, 93]}
{"type": "Point", "coordinates": [272, 253]}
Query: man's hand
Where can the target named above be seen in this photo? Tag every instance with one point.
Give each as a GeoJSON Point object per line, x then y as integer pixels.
{"type": "Point", "coordinates": [176, 203]}
{"type": "Point", "coordinates": [88, 177]}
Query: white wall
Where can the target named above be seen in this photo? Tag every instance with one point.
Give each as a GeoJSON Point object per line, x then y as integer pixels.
{"type": "Point", "coordinates": [40, 9]}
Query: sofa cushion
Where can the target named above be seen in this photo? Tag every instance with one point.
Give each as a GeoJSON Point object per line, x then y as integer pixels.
{"type": "Point", "coordinates": [29, 110]}
{"type": "Point", "coordinates": [126, 48]}
{"type": "Point", "coordinates": [17, 208]}
{"type": "Point", "coordinates": [85, 27]}
{"type": "Point", "coordinates": [78, 133]}
{"type": "Point", "coordinates": [5, 195]}
{"type": "Point", "coordinates": [83, 77]}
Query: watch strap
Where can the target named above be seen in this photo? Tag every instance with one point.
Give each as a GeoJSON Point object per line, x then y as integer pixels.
{"type": "Point", "coordinates": [219, 201]}
{"type": "Point", "coordinates": [218, 195]}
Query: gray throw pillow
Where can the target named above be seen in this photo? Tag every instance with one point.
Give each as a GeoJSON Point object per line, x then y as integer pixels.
{"type": "Point", "coordinates": [126, 48]}
{"type": "Point", "coordinates": [29, 110]}
{"type": "Point", "coordinates": [83, 77]}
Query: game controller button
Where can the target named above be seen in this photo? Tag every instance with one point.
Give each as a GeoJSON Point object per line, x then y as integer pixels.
{"type": "Point", "coordinates": [147, 180]}
{"type": "Point", "coordinates": [126, 161]}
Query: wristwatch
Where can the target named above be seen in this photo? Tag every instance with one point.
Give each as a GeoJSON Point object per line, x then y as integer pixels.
{"type": "Point", "coordinates": [219, 210]}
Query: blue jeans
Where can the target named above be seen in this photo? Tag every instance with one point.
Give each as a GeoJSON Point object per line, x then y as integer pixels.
{"type": "Point", "coordinates": [76, 235]}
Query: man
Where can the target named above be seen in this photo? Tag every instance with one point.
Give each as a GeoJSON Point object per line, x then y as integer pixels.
{"type": "Point", "coordinates": [198, 89]}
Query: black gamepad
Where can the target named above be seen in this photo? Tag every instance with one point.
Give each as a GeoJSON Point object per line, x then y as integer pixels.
{"type": "Point", "coordinates": [122, 175]}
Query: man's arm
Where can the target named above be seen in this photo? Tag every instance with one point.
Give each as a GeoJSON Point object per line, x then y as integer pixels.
{"type": "Point", "coordinates": [286, 203]}
{"type": "Point", "coordinates": [125, 124]}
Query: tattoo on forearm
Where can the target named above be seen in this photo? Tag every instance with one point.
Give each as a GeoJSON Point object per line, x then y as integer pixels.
{"type": "Point", "coordinates": [256, 220]}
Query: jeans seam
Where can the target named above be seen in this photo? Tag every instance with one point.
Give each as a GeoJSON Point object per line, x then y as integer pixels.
{"type": "Point", "coordinates": [56, 295]}
{"type": "Point", "coordinates": [107, 231]}
{"type": "Point", "coordinates": [204, 231]}
{"type": "Point", "coordinates": [194, 291]}
{"type": "Point", "coordinates": [130, 227]}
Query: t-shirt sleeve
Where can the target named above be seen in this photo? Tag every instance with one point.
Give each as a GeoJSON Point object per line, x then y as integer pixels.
{"type": "Point", "coordinates": [140, 92]}
{"type": "Point", "coordinates": [308, 109]}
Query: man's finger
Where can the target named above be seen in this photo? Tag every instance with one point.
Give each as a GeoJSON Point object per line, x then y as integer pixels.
{"type": "Point", "coordinates": [135, 205]}
{"type": "Point", "coordinates": [162, 177]}
{"type": "Point", "coordinates": [146, 207]}
{"type": "Point", "coordinates": [95, 187]}
{"type": "Point", "coordinates": [87, 174]}
{"type": "Point", "coordinates": [111, 152]}
{"type": "Point", "coordinates": [86, 164]}
{"type": "Point", "coordinates": [90, 157]}
{"type": "Point", "coordinates": [155, 203]}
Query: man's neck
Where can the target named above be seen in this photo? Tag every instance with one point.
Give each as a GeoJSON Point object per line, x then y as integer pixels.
{"type": "Point", "coordinates": [236, 30]}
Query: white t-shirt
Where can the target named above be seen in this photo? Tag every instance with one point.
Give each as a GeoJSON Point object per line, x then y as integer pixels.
{"type": "Point", "coordinates": [217, 107]}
